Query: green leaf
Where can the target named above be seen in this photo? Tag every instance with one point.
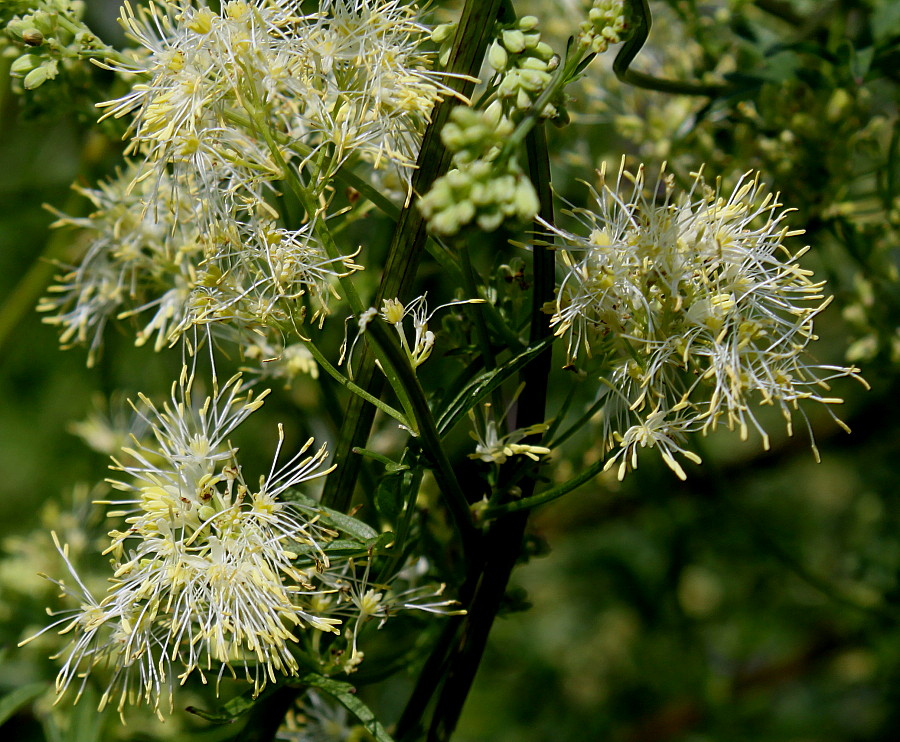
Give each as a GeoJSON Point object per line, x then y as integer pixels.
{"type": "Point", "coordinates": [390, 466]}
{"type": "Point", "coordinates": [228, 713]}
{"type": "Point", "coordinates": [381, 543]}
{"type": "Point", "coordinates": [345, 694]}
{"type": "Point", "coordinates": [389, 497]}
{"type": "Point", "coordinates": [885, 22]}
{"type": "Point", "coordinates": [14, 700]}
{"type": "Point", "coordinates": [861, 62]}
{"type": "Point", "coordinates": [345, 547]}
{"type": "Point", "coordinates": [85, 721]}
{"type": "Point", "coordinates": [213, 717]}
{"type": "Point", "coordinates": [343, 522]}
{"type": "Point", "coordinates": [477, 389]}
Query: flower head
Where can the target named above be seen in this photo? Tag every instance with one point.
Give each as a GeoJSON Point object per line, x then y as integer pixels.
{"type": "Point", "coordinates": [697, 305]}
{"type": "Point", "coordinates": [209, 571]}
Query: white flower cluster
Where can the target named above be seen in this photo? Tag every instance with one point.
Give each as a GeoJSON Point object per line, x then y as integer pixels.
{"type": "Point", "coordinates": [149, 256]}
{"type": "Point", "coordinates": [204, 573]}
{"type": "Point", "coordinates": [221, 90]}
{"type": "Point", "coordinates": [697, 307]}
{"type": "Point", "coordinates": [232, 110]}
{"type": "Point", "coordinates": [211, 574]}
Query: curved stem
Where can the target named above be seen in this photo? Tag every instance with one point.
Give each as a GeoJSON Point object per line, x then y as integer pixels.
{"type": "Point", "coordinates": [345, 382]}
{"type": "Point", "coordinates": [554, 493]}
{"type": "Point", "coordinates": [642, 21]}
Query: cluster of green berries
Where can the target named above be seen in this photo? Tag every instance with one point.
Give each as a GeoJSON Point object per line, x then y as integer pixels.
{"type": "Point", "coordinates": [482, 193]}
{"type": "Point", "coordinates": [51, 34]}
{"type": "Point", "coordinates": [482, 188]}
{"type": "Point", "coordinates": [607, 24]}
{"type": "Point", "coordinates": [476, 135]}
{"type": "Point", "coordinates": [525, 65]}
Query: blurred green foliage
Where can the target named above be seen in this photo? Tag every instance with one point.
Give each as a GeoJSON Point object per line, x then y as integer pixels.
{"type": "Point", "coordinates": [760, 600]}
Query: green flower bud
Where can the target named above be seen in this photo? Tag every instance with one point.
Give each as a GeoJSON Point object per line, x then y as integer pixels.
{"type": "Point", "coordinates": [528, 22]}
{"type": "Point", "coordinates": [44, 22]}
{"type": "Point", "coordinates": [32, 37]}
{"type": "Point", "coordinates": [17, 26]}
{"type": "Point", "coordinates": [509, 85]}
{"type": "Point", "coordinates": [443, 32]}
{"type": "Point", "coordinates": [24, 64]}
{"type": "Point", "coordinates": [514, 41]}
{"type": "Point", "coordinates": [493, 114]}
{"type": "Point", "coordinates": [523, 101]}
{"type": "Point", "coordinates": [533, 63]}
{"type": "Point", "coordinates": [490, 220]}
{"type": "Point", "coordinates": [482, 192]}
{"type": "Point", "coordinates": [497, 57]}
{"type": "Point", "coordinates": [40, 75]}
{"type": "Point", "coordinates": [533, 81]}
{"type": "Point", "coordinates": [544, 51]}
{"type": "Point", "coordinates": [527, 202]}
{"type": "Point", "coordinates": [532, 39]}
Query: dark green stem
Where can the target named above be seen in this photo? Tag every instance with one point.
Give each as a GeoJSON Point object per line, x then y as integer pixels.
{"type": "Point", "coordinates": [486, 584]}
{"type": "Point", "coordinates": [547, 496]}
{"type": "Point", "coordinates": [472, 36]}
{"type": "Point", "coordinates": [444, 474]}
{"type": "Point", "coordinates": [267, 714]}
{"type": "Point", "coordinates": [641, 22]}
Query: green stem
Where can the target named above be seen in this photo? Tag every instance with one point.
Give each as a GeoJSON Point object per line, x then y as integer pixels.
{"type": "Point", "coordinates": [471, 288]}
{"type": "Point", "coordinates": [345, 382]}
{"type": "Point", "coordinates": [641, 22]}
{"type": "Point", "coordinates": [487, 580]}
{"type": "Point", "coordinates": [23, 297]}
{"type": "Point", "coordinates": [472, 35]}
{"type": "Point", "coordinates": [556, 441]}
{"type": "Point", "coordinates": [404, 526]}
{"type": "Point", "coordinates": [324, 235]}
{"type": "Point", "coordinates": [430, 439]}
{"type": "Point", "coordinates": [554, 493]}
{"type": "Point", "coordinates": [99, 50]}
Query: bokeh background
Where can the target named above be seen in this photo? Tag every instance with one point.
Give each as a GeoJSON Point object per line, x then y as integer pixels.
{"type": "Point", "coordinates": [759, 600]}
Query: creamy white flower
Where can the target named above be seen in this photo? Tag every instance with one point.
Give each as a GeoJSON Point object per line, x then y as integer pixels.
{"type": "Point", "coordinates": [142, 245]}
{"type": "Point", "coordinates": [696, 306]}
{"type": "Point", "coordinates": [205, 574]}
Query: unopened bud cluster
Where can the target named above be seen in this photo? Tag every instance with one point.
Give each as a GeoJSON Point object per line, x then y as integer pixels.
{"type": "Point", "coordinates": [607, 24]}
{"type": "Point", "coordinates": [481, 193]}
{"type": "Point", "coordinates": [525, 64]}
{"type": "Point", "coordinates": [52, 33]}
{"type": "Point", "coordinates": [443, 35]}
{"type": "Point", "coordinates": [476, 135]}
{"type": "Point", "coordinates": [483, 188]}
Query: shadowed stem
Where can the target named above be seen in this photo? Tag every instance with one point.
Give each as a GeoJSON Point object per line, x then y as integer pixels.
{"type": "Point", "coordinates": [483, 592]}
{"type": "Point", "coordinates": [641, 21]}
{"type": "Point", "coordinates": [472, 35]}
